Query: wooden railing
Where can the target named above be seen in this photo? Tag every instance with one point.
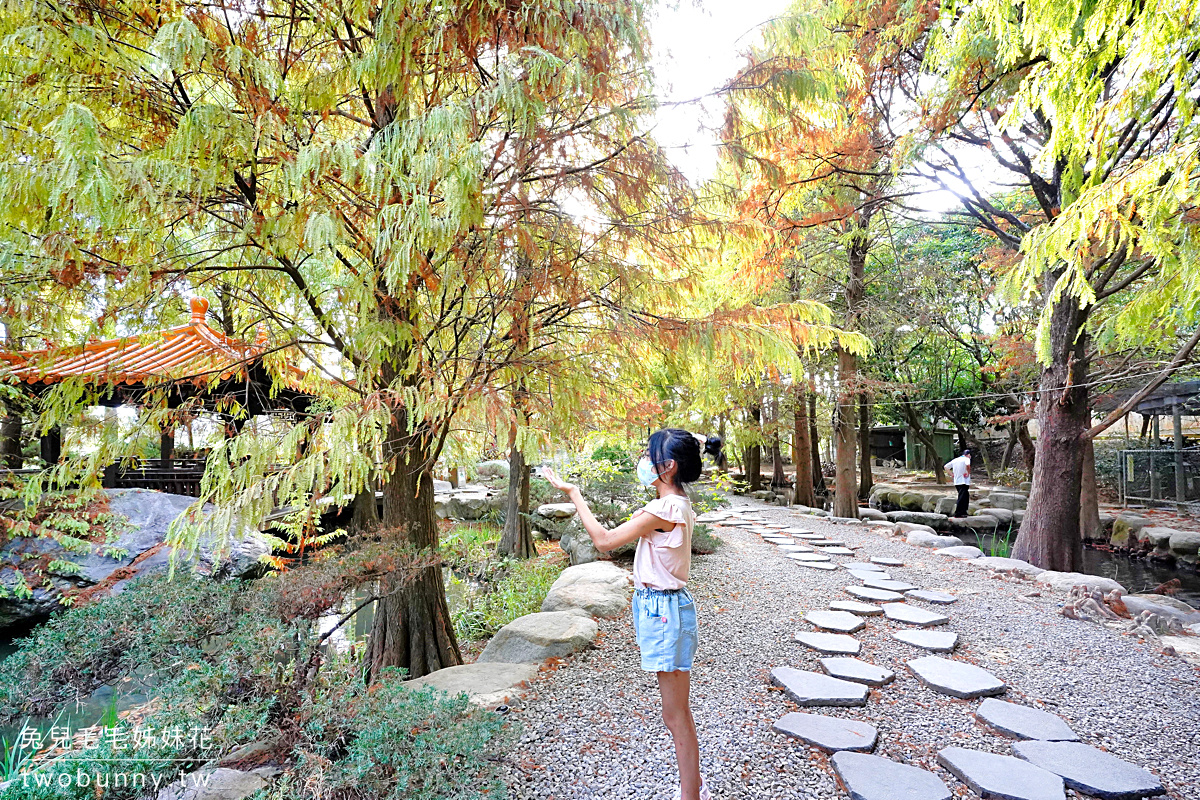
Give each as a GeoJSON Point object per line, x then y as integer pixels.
{"type": "Point", "coordinates": [170, 475]}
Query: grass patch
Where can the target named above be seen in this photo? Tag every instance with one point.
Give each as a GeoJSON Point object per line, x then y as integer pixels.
{"type": "Point", "coordinates": [518, 588]}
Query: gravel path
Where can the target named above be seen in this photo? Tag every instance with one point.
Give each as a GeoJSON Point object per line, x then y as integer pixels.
{"type": "Point", "coordinates": [591, 728]}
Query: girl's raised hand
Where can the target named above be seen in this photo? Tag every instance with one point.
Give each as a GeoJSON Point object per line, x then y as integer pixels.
{"type": "Point", "coordinates": [557, 482]}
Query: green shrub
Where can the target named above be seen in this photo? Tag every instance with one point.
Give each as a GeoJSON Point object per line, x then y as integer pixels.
{"type": "Point", "coordinates": [387, 742]}
{"type": "Point", "coordinates": [243, 662]}
{"type": "Point", "coordinates": [520, 591]}
{"type": "Point", "coordinates": [704, 541]}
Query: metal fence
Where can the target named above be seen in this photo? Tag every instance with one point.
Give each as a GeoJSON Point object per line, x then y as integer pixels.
{"type": "Point", "coordinates": [1163, 476]}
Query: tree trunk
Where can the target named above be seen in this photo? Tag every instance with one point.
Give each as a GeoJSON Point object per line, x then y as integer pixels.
{"type": "Point", "coordinates": [1049, 535]}
{"type": "Point", "coordinates": [865, 480]}
{"type": "Point", "coordinates": [1089, 498]}
{"type": "Point", "coordinates": [752, 458]}
{"type": "Point", "coordinates": [1009, 446]}
{"type": "Point", "coordinates": [803, 495]}
{"type": "Point", "coordinates": [815, 442]}
{"type": "Point", "coordinates": [10, 438]}
{"type": "Point", "coordinates": [364, 514]}
{"type": "Point", "coordinates": [412, 629]}
{"type": "Point", "coordinates": [778, 474]}
{"type": "Point", "coordinates": [1028, 450]}
{"type": "Point", "coordinates": [517, 539]}
{"type": "Point", "coordinates": [845, 492]}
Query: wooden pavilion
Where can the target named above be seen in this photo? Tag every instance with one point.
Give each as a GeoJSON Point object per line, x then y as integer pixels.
{"type": "Point", "coordinates": [193, 366]}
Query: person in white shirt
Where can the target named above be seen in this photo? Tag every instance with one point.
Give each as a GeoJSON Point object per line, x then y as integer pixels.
{"type": "Point", "coordinates": [961, 467]}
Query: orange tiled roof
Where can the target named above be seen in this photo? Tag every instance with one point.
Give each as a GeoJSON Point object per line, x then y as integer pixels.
{"type": "Point", "coordinates": [194, 351]}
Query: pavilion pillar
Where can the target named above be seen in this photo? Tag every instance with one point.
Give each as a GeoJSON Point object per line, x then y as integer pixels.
{"type": "Point", "coordinates": [51, 445]}
{"type": "Point", "coordinates": [10, 440]}
{"type": "Point", "coordinates": [1180, 476]}
{"type": "Point", "coordinates": [1153, 453]}
{"type": "Point", "coordinates": [166, 446]}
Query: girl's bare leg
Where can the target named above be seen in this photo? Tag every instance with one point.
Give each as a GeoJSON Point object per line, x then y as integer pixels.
{"type": "Point", "coordinates": [677, 714]}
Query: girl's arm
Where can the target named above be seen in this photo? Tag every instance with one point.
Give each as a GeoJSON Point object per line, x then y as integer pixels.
{"type": "Point", "coordinates": [604, 539]}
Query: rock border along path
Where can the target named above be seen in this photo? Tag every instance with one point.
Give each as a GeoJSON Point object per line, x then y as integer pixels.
{"type": "Point", "coordinates": [591, 728]}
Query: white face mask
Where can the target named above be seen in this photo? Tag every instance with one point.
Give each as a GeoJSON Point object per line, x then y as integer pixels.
{"type": "Point", "coordinates": [645, 472]}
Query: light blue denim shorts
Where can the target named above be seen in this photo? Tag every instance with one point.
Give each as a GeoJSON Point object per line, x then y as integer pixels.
{"type": "Point", "coordinates": [664, 623]}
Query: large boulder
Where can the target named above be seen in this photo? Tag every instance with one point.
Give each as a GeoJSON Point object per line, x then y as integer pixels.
{"type": "Point", "coordinates": [472, 503]}
{"type": "Point", "coordinates": [1010, 500]}
{"type": "Point", "coordinates": [1185, 545]}
{"type": "Point", "coordinates": [1162, 605]}
{"type": "Point", "coordinates": [872, 514]}
{"type": "Point", "coordinates": [487, 684]}
{"type": "Point", "coordinates": [919, 517]}
{"type": "Point", "coordinates": [1011, 565]}
{"type": "Point", "coordinates": [1156, 537]}
{"type": "Point", "coordinates": [932, 540]}
{"type": "Point", "coordinates": [577, 544]}
{"type": "Point", "coordinates": [912, 501]}
{"type": "Point", "coordinates": [537, 637]}
{"type": "Point", "coordinates": [496, 468]}
{"type": "Point", "coordinates": [1125, 528]}
{"type": "Point", "coordinates": [945, 505]}
{"type": "Point", "coordinates": [218, 783]}
{"type": "Point", "coordinates": [905, 528]}
{"type": "Point", "coordinates": [966, 551]}
{"type": "Point", "coordinates": [139, 550]}
{"type": "Point", "coordinates": [557, 511]}
{"type": "Point", "coordinates": [1003, 516]}
{"type": "Point", "coordinates": [1066, 581]}
{"type": "Point", "coordinates": [600, 588]}
{"type": "Point", "coordinates": [971, 525]}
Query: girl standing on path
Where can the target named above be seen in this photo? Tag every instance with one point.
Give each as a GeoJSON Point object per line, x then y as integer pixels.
{"type": "Point", "coordinates": [664, 614]}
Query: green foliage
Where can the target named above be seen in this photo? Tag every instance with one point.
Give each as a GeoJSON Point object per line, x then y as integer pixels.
{"type": "Point", "coordinates": [518, 589]}
{"type": "Point", "coordinates": [619, 457]}
{"type": "Point", "coordinates": [387, 742]}
{"type": "Point", "coordinates": [704, 541]}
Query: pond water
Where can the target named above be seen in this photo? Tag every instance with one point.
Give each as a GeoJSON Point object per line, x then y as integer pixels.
{"type": "Point", "coordinates": [1138, 575]}
{"type": "Point", "coordinates": [1142, 575]}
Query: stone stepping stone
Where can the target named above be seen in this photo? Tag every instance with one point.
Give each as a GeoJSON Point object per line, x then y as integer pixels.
{"type": "Point", "coordinates": [912, 615]}
{"type": "Point", "coordinates": [862, 566]}
{"type": "Point", "coordinates": [831, 734]}
{"type": "Point", "coordinates": [890, 585]}
{"type": "Point", "coordinates": [794, 548]}
{"type": "Point", "coordinates": [807, 689]}
{"type": "Point", "coordinates": [811, 537]}
{"type": "Point", "coordinates": [825, 565]}
{"type": "Point", "coordinates": [799, 531]}
{"type": "Point", "coordinates": [937, 641]}
{"type": "Point", "coordinates": [955, 678]}
{"type": "Point", "coordinates": [810, 557]}
{"type": "Point", "coordinates": [779, 539]}
{"type": "Point", "coordinates": [856, 607]}
{"type": "Point", "coordinates": [826, 543]}
{"type": "Point", "coordinates": [868, 593]}
{"type": "Point", "coordinates": [829, 644]}
{"type": "Point", "coordinates": [1024, 722]}
{"type": "Point", "coordinates": [852, 669]}
{"type": "Point", "coordinates": [774, 526]}
{"type": "Point", "coordinates": [991, 775]}
{"type": "Point", "coordinates": [838, 551]}
{"type": "Point", "coordinates": [887, 562]}
{"type": "Point", "coordinates": [862, 576]}
{"type": "Point", "coordinates": [930, 596]}
{"type": "Point", "coordinates": [839, 621]}
{"type": "Point", "coordinates": [1091, 771]}
{"type": "Point", "coordinates": [869, 777]}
